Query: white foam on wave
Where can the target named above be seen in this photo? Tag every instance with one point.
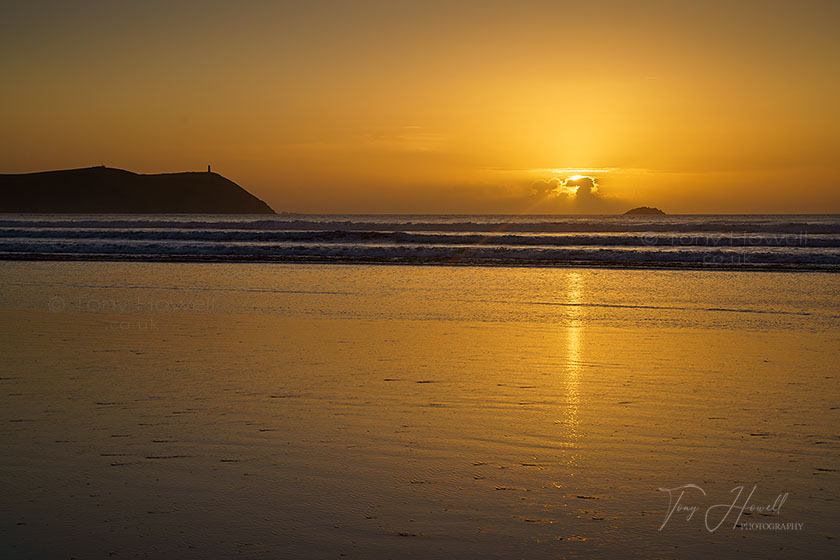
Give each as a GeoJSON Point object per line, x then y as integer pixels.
{"type": "Point", "coordinates": [791, 241]}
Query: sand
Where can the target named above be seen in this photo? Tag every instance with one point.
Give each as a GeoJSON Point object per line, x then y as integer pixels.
{"type": "Point", "coordinates": [308, 411]}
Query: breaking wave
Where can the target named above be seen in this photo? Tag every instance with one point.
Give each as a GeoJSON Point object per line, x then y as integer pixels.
{"type": "Point", "coordinates": [785, 242]}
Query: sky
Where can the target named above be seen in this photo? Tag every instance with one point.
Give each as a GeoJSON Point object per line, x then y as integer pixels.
{"type": "Point", "coordinates": [439, 107]}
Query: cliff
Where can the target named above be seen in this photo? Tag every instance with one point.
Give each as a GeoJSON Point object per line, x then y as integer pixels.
{"type": "Point", "coordinates": [106, 190]}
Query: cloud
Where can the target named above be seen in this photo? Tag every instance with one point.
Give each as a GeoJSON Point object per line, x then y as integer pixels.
{"type": "Point", "coordinates": [574, 186]}
{"type": "Point", "coordinates": [405, 139]}
{"type": "Point", "coordinates": [576, 194]}
{"type": "Point", "coordinates": [584, 185]}
{"type": "Point", "coordinates": [546, 187]}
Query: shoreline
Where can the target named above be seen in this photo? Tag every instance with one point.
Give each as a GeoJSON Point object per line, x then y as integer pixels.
{"type": "Point", "coordinates": [485, 263]}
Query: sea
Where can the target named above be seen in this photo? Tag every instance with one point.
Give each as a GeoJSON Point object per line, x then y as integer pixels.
{"type": "Point", "coordinates": [776, 242]}
{"type": "Point", "coordinates": [310, 387]}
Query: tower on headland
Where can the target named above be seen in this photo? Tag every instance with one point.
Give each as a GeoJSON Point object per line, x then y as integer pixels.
{"type": "Point", "coordinates": [208, 168]}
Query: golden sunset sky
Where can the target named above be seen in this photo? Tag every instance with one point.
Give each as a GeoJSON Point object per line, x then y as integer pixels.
{"type": "Point", "coordinates": [451, 107]}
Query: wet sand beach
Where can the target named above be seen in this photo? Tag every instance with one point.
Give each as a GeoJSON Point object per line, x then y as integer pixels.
{"type": "Point", "coordinates": [169, 410]}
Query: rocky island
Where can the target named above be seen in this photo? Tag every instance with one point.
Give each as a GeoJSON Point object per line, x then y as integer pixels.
{"type": "Point", "coordinates": [95, 190]}
{"type": "Point", "coordinates": [644, 211]}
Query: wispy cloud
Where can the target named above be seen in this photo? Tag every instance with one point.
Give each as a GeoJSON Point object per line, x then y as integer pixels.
{"type": "Point", "coordinates": [407, 138]}
{"type": "Point", "coordinates": [576, 170]}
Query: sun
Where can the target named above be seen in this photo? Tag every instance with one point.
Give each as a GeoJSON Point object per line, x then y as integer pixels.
{"type": "Point", "coordinates": [575, 177]}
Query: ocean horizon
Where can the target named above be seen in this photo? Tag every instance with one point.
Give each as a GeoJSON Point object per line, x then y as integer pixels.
{"type": "Point", "coordinates": [749, 242]}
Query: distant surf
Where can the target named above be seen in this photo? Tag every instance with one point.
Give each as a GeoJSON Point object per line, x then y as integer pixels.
{"type": "Point", "coordinates": [786, 242]}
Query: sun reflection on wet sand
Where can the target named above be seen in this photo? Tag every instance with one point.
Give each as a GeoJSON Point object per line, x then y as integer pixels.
{"type": "Point", "coordinates": [571, 367]}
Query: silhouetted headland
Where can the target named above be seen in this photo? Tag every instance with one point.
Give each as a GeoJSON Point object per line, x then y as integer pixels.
{"type": "Point", "coordinates": [644, 210]}
{"type": "Point", "coordinates": [107, 190]}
